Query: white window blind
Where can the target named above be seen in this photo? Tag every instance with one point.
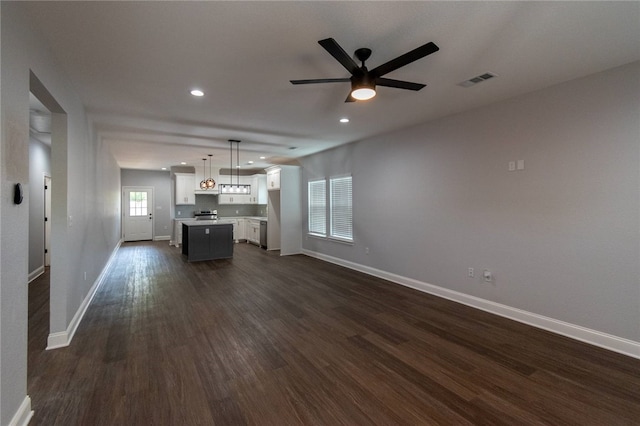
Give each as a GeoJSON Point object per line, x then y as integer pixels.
{"type": "Point", "coordinates": [341, 210]}
{"type": "Point", "coordinates": [318, 207]}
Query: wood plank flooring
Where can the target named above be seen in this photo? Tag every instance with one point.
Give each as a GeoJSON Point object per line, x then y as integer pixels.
{"type": "Point", "coordinates": [266, 340]}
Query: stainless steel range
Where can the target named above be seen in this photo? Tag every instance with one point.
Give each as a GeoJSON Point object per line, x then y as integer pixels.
{"type": "Point", "coordinates": [206, 215]}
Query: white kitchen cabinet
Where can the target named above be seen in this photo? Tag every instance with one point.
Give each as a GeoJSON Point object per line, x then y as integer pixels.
{"type": "Point", "coordinates": [273, 178]}
{"type": "Point", "coordinates": [234, 199]}
{"type": "Point", "coordinates": [240, 233]}
{"type": "Point", "coordinates": [176, 236]}
{"type": "Point", "coordinates": [258, 189]}
{"type": "Point", "coordinates": [253, 231]}
{"type": "Point", "coordinates": [284, 231]}
{"type": "Point", "coordinates": [184, 189]}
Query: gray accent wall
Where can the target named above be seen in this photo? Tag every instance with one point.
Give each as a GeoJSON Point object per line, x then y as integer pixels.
{"type": "Point", "coordinates": [85, 199]}
{"type": "Point", "coordinates": [561, 237]}
{"type": "Point", "coordinates": [160, 181]}
{"type": "Point", "coordinates": [39, 166]}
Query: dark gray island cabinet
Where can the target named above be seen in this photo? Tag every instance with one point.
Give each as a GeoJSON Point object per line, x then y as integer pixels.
{"type": "Point", "coordinates": [207, 240]}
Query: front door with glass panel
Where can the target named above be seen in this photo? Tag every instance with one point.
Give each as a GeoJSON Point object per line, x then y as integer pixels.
{"type": "Point", "coordinates": [137, 212]}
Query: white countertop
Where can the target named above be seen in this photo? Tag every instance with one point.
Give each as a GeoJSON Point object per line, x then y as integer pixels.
{"type": "Point", "coordinates": [188, 219]}
{"type": "Point", "coordinates": [194, 222]}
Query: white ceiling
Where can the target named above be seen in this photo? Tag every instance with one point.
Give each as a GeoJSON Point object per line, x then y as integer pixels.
{"type": "Point", "coordinates": [134, 63]}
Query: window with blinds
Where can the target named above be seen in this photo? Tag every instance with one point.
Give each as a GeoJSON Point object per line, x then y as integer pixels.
{"type": "Point", "coordinates": [341, 209]}
{"type": "Point", "coordinates": [318, 207]}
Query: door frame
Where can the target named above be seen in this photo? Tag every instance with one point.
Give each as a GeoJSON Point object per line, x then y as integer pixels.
{"type": "Point", "coordinates": [125, 189]}
{"type": "Point", "coordinates": [47, 220]}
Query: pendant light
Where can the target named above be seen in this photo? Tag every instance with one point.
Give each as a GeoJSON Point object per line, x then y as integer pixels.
{"type": "Point", "coordinates": [203, 183]}
{"type": "Point", "coordinates": [237, 188]}
{"type": "Point", "coordinates": [210, 183]}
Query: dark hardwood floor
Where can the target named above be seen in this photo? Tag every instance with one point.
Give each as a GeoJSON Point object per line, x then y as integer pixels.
{"type": "Point", "coordinates": [268, 340]}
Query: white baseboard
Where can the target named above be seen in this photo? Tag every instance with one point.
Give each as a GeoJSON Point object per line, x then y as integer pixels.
{"type": "Point", "coordinates": [35, 274]}
{"type": "Point", "coordinates": [63, 338]}
{"type": "Point", "coordinates": [583, 334]}
{"type": "Point", "coordinates": [24, 413]}
{"type": "Point", "coordinates": [162, 238]}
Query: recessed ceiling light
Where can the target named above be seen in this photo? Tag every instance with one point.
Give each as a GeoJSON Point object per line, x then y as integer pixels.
{"type": "Point", "coordinates": [344, 120]}
{"type": "Point", "coordinates": [183, 163]}
{"type": "Point", "coordinates": [197, 92]}
{"type": "Point", "coordinates": [263, 158]}
{"type": "Point", "coordinates": [250, 162]}
{"type": "Point", "coordinates": [164, 168]}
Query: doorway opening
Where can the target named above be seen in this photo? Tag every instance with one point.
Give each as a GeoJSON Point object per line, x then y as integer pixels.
{"type": "Point", "coordinates": [47, 218]}
{"type": "Point", "coordinates": [137, 213]}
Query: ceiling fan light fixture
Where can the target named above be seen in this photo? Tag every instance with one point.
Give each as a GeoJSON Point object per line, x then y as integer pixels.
{"type": "Point", "coordinates": [363, 93]}
{"type": "Point", "coordinates": [363, 88]}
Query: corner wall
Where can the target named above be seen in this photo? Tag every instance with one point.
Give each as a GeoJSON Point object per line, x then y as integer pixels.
{"type": "Point", "coordinates": [561, 237]}
{"type": "Point", "coordinates": [85, 202]}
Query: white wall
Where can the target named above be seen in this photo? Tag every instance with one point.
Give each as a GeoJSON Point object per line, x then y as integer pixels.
{"type": "Point", "coordinates": [85, 201]}
{"type": "Point", "coordinates": [562, 236]}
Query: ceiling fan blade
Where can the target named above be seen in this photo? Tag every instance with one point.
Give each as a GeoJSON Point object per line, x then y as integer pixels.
{"type": "Point", "coordinates": [334, 49]}
{"type": "Point", "coordinates": [407, 58]}
{"type": "Point", "coordinates": [321, 80]}
{"type": "Point", "coordinates": [399, 84]}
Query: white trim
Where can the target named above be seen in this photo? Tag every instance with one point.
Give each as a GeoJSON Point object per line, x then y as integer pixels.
{"type": "Point", "coordinates": [583, 334]}
{"type": "Point", "coordinates": [62, 339]}
{"type": "Point", "coordinates": [24, 413]}
{"type": "Point", "coordinates": [162, 238]}
{"type": "Point", "coordinates": [35, 274]}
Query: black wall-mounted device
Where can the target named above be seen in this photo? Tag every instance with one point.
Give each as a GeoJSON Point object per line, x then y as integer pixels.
{"type": "Point", "coordinates": [17, 194]}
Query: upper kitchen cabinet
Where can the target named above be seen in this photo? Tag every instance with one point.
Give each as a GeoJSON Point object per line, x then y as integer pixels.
{"type": "Point", "coordinates": [185, 194]}
{"type": "Point", "coordinates": [259, 189]}
{"type": "Point", "coordinates": [273, 178]}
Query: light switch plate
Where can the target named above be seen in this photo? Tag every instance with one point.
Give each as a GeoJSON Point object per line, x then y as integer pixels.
{"type": "Point", "coordinates": [520, 165]}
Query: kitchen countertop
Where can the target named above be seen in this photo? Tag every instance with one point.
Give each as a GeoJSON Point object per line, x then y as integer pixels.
{"type": "Point", "coordinates": [194, 222]}
{"type": "Point", "coordinates": [189, 219]}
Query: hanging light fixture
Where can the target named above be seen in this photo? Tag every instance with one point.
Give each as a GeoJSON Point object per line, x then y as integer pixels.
{"type": "Point", "coordinates": [210, 182]}
{"type": "Point", "coordinates": [203, 182]}
{"type": "Point", "coordinates": [237, 188]}
{"type": "Point", "coordinates": [363, 88]}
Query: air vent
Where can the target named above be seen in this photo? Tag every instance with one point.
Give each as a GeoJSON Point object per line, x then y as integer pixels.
{"type": "Point", "coordinates": [478, 79]}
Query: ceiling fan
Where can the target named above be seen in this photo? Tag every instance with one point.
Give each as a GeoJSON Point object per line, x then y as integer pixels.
{"type": "Point", "coordinates": [363, 81]}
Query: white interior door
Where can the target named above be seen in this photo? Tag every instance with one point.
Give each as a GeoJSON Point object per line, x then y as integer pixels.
{"type": "Point", "coordinates": [137, 213]}
{"type": "Point", "coordinates": [47, 221]}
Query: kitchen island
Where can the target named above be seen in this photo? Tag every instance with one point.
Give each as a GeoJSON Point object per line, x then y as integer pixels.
{"type": "Point", "coordinates": [207, 240]}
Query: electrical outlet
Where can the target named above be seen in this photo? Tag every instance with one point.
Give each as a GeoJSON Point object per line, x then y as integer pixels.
{"type": "Point", "coordinates": [512, 166]}
{"type": "Point", "coordinates": [471, 273]}
{"type": "Point", "coordinates": [487, 275]}
{"type": "Point", "coordinates": [366, 250]}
